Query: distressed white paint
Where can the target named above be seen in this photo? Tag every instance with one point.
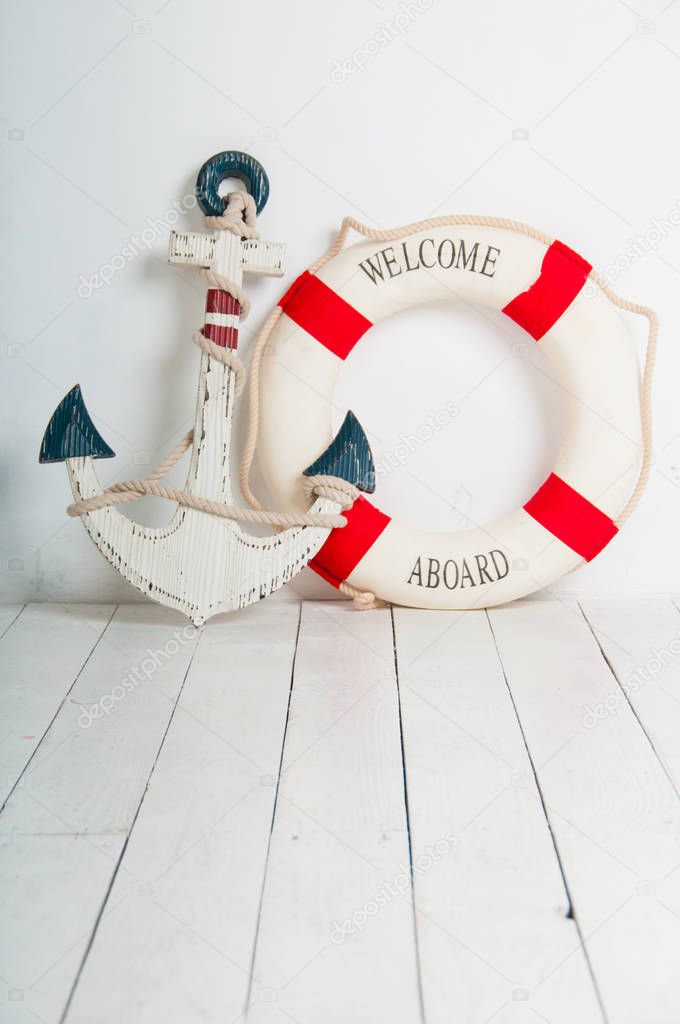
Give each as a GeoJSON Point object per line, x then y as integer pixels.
{"type": "Point", "coordinates": [491, 906]}
{"type": "Point", "coordinates": [198, 250]}
{"type": "Point", "coordinates": [612, 809]}
{"type": "Point", "coordinates": [202, 564]}
{"type": "Point", "coordinates": [64, 828]}
{"type": "Point", "coordinates": [339, 837]}
{"type": "Point", "coordinates": [30, 696]}
{"type": "Point", "coordinates": [193, 793]}
{"type": "Point", "coordinates": [641, 641]}
{"type": "Point", "coordinates": [194, 866]}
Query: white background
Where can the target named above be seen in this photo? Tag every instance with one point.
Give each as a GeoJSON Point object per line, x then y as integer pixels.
{"type": "Point", "coordinates": [563, 115]}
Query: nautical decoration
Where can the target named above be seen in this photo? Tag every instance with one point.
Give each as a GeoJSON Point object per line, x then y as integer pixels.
{"type": "Point", "coordinates": [202, 562]}
{"type": "Point", "coordinates": [539, 283]}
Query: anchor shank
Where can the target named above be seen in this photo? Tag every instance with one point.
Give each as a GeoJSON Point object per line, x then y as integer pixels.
{"type": "Point", "coordinates": [220, 252]}
{"type": "Point", "coordinates": [222, 311]}
{"type": "Point", "coordinates": [209, 473]}
{"type": "Point", "coordinates": [228, 256]}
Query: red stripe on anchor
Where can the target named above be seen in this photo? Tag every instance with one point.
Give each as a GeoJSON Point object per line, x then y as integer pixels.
{"type": "Point", "coordinates": [344, 548]}
{"type": "Point", "coordinates": [218, 305]}
{"type": "Point", "coordinates": [571, 518]}
{"type": "Point", "coordinates": [324, 314]}
{"type": "Point", "coordinates": [563, 274]}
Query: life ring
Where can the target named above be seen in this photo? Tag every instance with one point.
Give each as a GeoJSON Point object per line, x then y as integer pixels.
{"type": "Point", "coordinates": [538, 283]}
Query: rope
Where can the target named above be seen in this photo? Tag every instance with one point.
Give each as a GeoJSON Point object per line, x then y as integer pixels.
{"type": "Point", "coordinates": [340, 491]}
{"type": "Point", "coordinates": [225, 284]}
{"type": "Point", "coordinates": [131, 490]}
{"type": "Point", "coordinates": [364, 599]}
{"type": "Point", "coordinates": [645, 391]}
{"type": "Point", "coordinates": [239, 218]}
{"type": "Point", "coordinates": [222, 355]}
{"type": "Point", "coordinates": [334, 488]}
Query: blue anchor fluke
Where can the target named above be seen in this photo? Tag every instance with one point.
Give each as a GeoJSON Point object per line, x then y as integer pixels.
{"type": "Point", "coordinates": [71, 434]}
{"type": "Point", "coordinates": [347, 456]}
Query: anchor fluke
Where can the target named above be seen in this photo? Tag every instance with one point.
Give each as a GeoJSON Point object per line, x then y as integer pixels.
{"type": "Point", "coordinates": [347, 456]}
{"type": "Point", "coordinates": [71, 434]}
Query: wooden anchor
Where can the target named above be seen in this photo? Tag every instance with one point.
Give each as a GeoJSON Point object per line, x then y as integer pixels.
{"type": "Point", "coordinates": [202, 564]}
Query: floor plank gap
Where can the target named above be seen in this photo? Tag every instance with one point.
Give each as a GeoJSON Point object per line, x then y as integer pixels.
{"type": "Point", "coordinates": [304, 813]}
{"type": "Point", "coordinates": [64, 699]}
{"type": "Point", "coordinates": [419, 973]}
{"type": "Point", "coordinates": [12, 620]}
{"type": "Point", "coordinates": [251, 973]}
{"type": "Point", "coordinates": [102, 909]}
{"type": "Point", "coordinates": [571, 911]}
{"type": "Point", "coordinates": [626, 696]}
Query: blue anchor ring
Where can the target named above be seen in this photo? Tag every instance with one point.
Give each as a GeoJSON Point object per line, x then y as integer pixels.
{"type": "Point", "coordinates": [230, 164]}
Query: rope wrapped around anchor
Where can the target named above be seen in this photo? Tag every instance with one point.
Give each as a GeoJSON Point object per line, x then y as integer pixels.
{"type": "Point", "coordinates": [239, 217]}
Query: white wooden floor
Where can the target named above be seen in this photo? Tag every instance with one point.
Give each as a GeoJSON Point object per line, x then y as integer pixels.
{"type": "Point", "coordinates": [317, 815]}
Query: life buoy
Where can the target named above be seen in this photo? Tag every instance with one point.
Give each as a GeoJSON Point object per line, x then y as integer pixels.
{"type": "Point", "coordinates": [538, 283]}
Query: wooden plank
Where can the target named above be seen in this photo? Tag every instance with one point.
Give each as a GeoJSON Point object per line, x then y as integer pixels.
{"type": "Point", "coordinates": [9, 613]}
{"type": "Point", "coordinates": [612, 809]}
{"type": "Point", "coordinates": [333, 945]}
{"type": "Point", "coordinates": [179, 945]}
{"type": "Point", "coordinates": [65, 827]}
{"type": "Point", "coordinates": [41, 654]}
{"type": "Point", "coordinates": [491, 906]}
{"type": "Point", "coordinates": [51, 890]}
{"type": "Point", "coordinates": [640, 638]}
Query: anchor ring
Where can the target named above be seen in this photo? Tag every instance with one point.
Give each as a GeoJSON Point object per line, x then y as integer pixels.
{"type": "Point", "coordinates": [230, 164]}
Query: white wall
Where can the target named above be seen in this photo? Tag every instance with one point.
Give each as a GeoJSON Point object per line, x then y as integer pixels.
{"type": "Point", "coordinates": [560, 114]}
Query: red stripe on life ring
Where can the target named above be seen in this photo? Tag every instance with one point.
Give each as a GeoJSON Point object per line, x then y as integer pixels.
{"type": "Point", "coordinates": [324, 314]}
{"type": "Point", "coordinates": [344, 548]}
{"type": "Point", "coordinates": [571, 518]}
{"type": "Point", "coordinates": [563, 274]}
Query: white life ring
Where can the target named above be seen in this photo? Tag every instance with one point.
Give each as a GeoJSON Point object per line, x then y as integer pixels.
{"type": "Point", "coordinates": [539, 284]}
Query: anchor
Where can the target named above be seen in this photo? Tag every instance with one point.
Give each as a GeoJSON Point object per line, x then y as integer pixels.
{"type": "Point", "coordinates": [203, 563]}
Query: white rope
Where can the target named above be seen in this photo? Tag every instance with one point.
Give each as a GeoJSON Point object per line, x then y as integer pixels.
{"type": "Point", "coordinates": [239, 218]}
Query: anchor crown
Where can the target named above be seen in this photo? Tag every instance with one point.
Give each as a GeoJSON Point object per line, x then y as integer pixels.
{"type": "Point", "coordinates": [71, 434]}
{"type": "Point", "coordinates": [348, 456]}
